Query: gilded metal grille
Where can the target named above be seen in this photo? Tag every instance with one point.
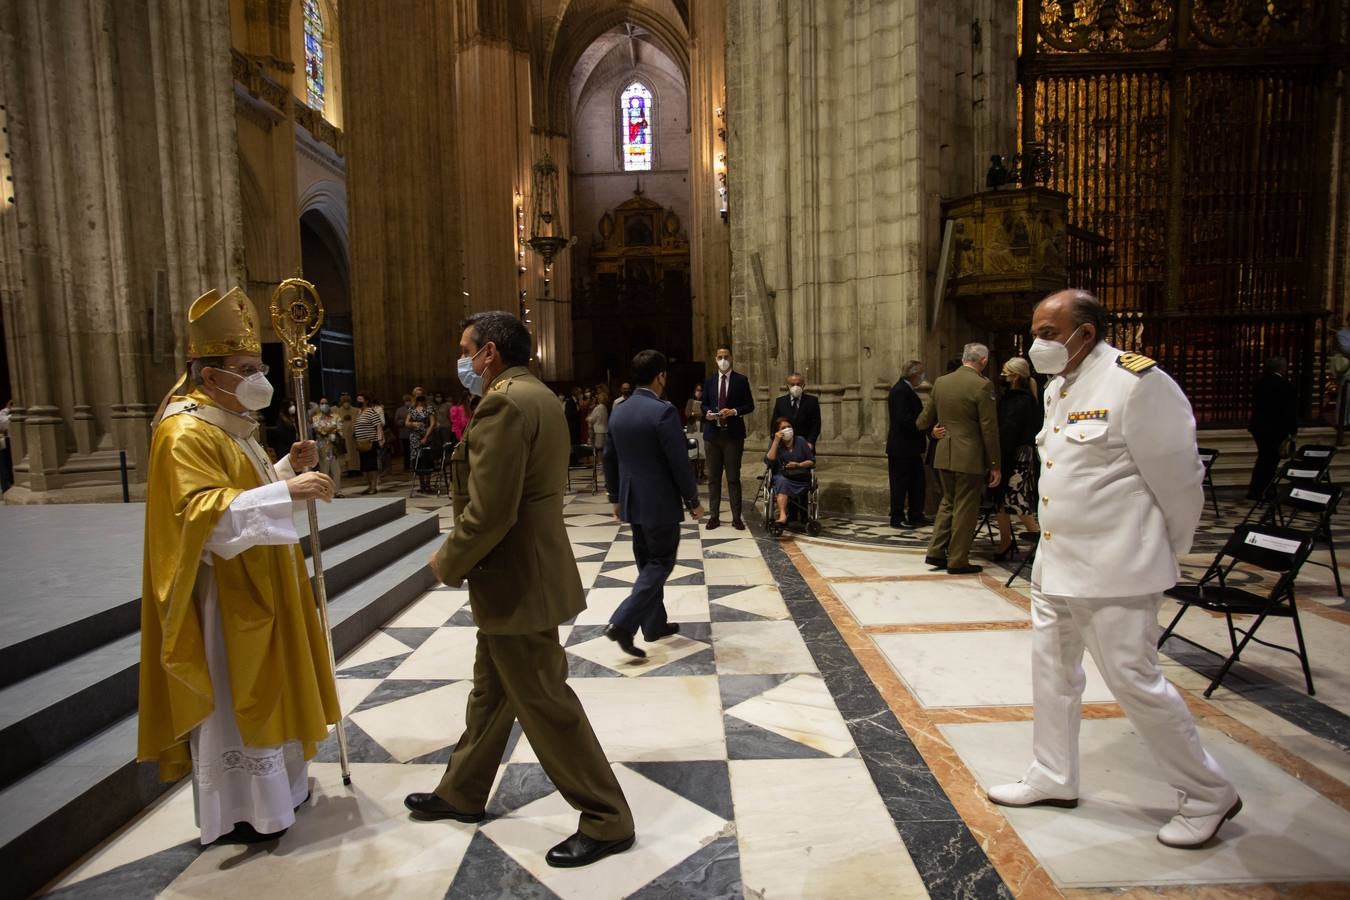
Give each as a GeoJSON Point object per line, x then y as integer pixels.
{"type": "Point", "coordinates": [1191, 136]}
{"type": "Point", "coordinates": [1249, 179]}
{"type": "Point", "coordinates": [1107, 137]}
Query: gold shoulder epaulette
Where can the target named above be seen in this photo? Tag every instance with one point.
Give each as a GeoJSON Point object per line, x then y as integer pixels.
{"type": "Point", "coordinates": [1135, 362]}
{"type": "Point", "coordinates": [504, 385]}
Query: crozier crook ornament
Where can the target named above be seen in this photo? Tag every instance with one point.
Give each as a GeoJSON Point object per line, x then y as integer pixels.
{"type": "Point", "coordinates": [297, 313]}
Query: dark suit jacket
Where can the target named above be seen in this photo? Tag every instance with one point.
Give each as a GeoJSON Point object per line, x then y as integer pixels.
{"type": "Point", "coordinates": [963, 403]}
{"type": "Point", "coordinates": [509, 541]}
{"type": "Point", "coordinates": [806, 421]}
{"type": "Point", "coordinates": [1274, 409]}
{"type": "Point", "coordinates": [738, 398]}
{"type": "Point", "coordinates": [903, 437]}
{"type": "Point", "coordinates": [647, 469]}
{"type": "Point", "coordinates": [573, 417]}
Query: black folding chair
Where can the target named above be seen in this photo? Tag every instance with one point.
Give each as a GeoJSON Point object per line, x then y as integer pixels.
{"type": "Point", "coordinates": [1270, 549]}
{"type": "Point", "coordinates": [1317, 455]}
{"type": "Point", "coordinates": [424, 466]}
{"type": "Point", "coordinates": [1299, 470]}
{"type": "Point", "coordinates": [1034, 539]}
{"type": "Point", "coordinates": [440, 478]}
{"type": "Point", "coordinates": [1207, 457]}
{"type": "Point", "coordinates": [1309, 506]}
{"type": "Point", "coordinates": [582, 461]}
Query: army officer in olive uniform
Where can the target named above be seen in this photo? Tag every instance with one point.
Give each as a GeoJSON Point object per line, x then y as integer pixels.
{"type": "Point", "coordinates": [963, 404]}
{"type": "Point", "coordinates": [509, 541]}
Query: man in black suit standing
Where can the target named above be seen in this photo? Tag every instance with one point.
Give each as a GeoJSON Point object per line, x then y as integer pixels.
{"type": "Point", "coordinates": [799, 408]}
{"type": "Point", "coordinates": [905, 446]}
{"type": "Point", "coordinates": [648, 479]}
{"type": "Point", "coordinates": [726, 402]}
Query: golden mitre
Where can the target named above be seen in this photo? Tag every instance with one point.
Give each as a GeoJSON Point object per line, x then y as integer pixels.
{"type": "Point", "coordinates": [223, 326]}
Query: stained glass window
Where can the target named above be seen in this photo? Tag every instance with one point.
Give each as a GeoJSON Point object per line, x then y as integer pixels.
{"type": "Point", "coordinates": [635, 127]}
{"type": "Point", "coordinates": [314, 54]}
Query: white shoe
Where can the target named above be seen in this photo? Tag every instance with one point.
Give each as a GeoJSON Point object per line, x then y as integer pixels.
{"type": "Point", "coordinates": [1020, 793]}
{"type": "Point", "coordinates": [1192, 832]}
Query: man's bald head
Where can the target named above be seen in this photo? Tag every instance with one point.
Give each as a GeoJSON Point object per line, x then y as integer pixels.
{"type": "Point", "coordinates": [1064, 312]}
{"type": "Point", "coordinates": [1074, 318]}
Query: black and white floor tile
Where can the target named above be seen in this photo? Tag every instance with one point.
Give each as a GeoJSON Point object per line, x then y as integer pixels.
{"type": "Point", "coordinates": [743, 774]}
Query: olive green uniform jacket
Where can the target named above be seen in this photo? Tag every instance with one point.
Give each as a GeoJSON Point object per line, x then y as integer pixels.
{"type": "Point", "coordinates": [963, 403]}
{"type": "Point", "coordinates": [509, 474]}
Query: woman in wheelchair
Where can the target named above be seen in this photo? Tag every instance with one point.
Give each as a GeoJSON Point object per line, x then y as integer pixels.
{"type": "Point", "coordinates": [791, 460]}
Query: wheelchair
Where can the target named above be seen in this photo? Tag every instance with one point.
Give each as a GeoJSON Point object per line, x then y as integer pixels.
{"type": "Point", "coordinates": [803, 510]}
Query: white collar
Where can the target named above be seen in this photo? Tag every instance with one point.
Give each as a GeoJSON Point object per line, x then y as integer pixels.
{"type": "Point", "coordinates": [1094, 359]}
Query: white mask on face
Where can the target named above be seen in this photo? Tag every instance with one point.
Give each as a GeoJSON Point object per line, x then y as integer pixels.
{"type": "Point", "coordinates": [253, 392]}
{"type": "Point", "coordinates": [1050, 357]}
{"type": "Point", "coordinates": [724, 365]}
{"type": "Point", "coordinates": [787, 435]}
{"type": "Point", "coordinates": [796, 391]}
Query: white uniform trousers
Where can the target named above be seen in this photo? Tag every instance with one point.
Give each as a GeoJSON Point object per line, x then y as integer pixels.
{"type": "Point", "coordinates": [1121, 633]}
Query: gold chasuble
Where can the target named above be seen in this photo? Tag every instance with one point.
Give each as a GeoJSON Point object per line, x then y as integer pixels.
{"type": "Point", "coordinates": [278, 660]}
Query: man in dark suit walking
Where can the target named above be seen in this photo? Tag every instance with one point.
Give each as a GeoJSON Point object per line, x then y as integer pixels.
{"type": "Point", "coordinates": [649, 481]}
{"type": "Point", "coordinates": [510, 543]}
{"type": "Point", "coordinates": [726, 402]}
{"type": "Point", "coordinates": [905, 446]}
{"type": "Point", "coordinates": [799, 408]}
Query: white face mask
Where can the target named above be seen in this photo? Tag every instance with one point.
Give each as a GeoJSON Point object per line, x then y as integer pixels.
{"type": "Point", "coordinates": [787, 435]}
{"type": "Point", "coordinates": [1050, 357]}
{"type": "Point", "coordinates": [796, 391]}
{"type": "Point", "coordinates": [253, 392]}
{"type": "Point", "coordinates": [724, 365]}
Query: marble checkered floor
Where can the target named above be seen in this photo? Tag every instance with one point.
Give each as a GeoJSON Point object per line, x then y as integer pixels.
{"type": "Point", "coordinates": [742, 773]}
{"type": "Point", "coordinates": [823, 726]}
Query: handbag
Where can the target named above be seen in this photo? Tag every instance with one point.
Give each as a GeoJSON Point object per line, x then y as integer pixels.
{"type": "Point", "coordinates": [364, 446]}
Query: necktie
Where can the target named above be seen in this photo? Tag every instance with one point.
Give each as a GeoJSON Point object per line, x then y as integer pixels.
{"type": "Point", "coordinates": [722, 394]}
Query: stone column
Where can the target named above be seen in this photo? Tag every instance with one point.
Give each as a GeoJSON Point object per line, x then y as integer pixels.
{"type": "Point", "coordinates": [709, 234]}
{"type": "Point", "coordinates": [121, 170]}
{"type": "Point", "coordinates": [405, 206]}
{"type": "Point", "coordinates": [848, 127]}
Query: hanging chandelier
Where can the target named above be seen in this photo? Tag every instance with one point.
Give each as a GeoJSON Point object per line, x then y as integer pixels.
{"type": "Point", "coordinates": [547, 234]}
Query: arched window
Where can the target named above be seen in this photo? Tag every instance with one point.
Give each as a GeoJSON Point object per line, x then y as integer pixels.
{"type": "Point", "coordinates": [635, 127]}
{"type": "Point", "coordinates": [313, 54]}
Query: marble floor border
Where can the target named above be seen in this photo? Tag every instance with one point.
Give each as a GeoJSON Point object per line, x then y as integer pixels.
{"type": "Point", "coordinates": [1005, 849]}
{"type": "Point", "coordinates": [1021, 872]}
{"type": "Point", "coordinates": [948, 853]}
{"type": "Point", "coordinates": [944, 627]}
{"type": "Point", "coordinates": [965, 715]}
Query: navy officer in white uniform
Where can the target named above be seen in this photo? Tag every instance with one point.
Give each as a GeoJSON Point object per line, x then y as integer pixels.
{"type": "Point", "coordinates": [1120, 500]}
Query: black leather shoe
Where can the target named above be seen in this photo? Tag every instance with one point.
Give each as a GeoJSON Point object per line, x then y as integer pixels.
{"type": "Point", "coordinates": [625, 641]}
{"type": "Point", "coordinates": [738, 524]}
{"type": "Point", "coordinates": [670, 629]}
{"type": "Point", "coordinates": [429, 808]}
{"type": "Point", "coordinates": [898, 524]}
{"type": "Point", "coordinates": [964, 570]}
{"type": "Point", "coordinates": [919, 522]}
{"type": "Point", "coordinates": [937, 562]}
{"type": "Point", "coordinates": [713, 523]}
{"type": "Point", "coordinates": [244, 833]}
{"type": "Point", "coordinates": [580, 850]}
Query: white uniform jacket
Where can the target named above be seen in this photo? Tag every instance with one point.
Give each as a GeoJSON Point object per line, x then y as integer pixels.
{"type": "Point", "coordinates": [1121, 482]}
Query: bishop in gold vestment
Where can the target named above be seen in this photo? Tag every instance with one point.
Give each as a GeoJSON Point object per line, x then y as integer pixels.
{"type": "Point", "coordinates": [235, 683]}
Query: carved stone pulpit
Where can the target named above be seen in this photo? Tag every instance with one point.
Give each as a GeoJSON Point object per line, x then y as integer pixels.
{"type": "Point", "coordinates": [1009, 249]}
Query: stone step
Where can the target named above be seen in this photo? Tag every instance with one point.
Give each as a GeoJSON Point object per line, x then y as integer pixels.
{"type": "Point", "coordinates": [58, 812]}
{"type": "Point", "coordinates": [355, 559]}
{"type": "Point", "coordinates": [44, 632]}
{"type": "Point", "coordinates": [46, 713]}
